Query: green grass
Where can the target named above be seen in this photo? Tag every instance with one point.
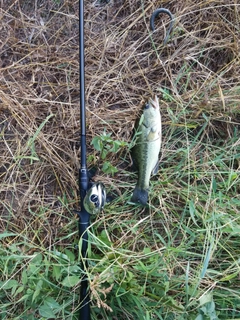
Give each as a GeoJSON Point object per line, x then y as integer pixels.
{"type": "Point", "coordinates": [177, 259]}
{"type": "Point", "coordinates": [187, 257]}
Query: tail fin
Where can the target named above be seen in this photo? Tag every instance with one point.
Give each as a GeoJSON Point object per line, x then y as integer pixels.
{"type": "Point", "coordinates": [140, 196]}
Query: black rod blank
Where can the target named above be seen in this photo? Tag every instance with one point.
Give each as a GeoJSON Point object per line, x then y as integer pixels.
{"type": "Point", "coordinates": [84, 216]}
{"type": "Point", "coordinates": [82, 84]}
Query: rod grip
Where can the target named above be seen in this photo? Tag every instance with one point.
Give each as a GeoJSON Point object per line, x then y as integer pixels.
{"type": "Point", "coordinates": [84, 221]}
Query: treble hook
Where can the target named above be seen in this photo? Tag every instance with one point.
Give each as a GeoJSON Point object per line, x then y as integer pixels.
{"type": "Point", "coordinates": [155, 15]}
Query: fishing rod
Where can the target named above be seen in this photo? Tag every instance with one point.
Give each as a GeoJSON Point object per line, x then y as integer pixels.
{"type": "Point", "coordinates": [92, 195]}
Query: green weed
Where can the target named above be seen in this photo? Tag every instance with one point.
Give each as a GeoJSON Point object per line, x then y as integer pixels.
{"type": "Point", "coordinates": [107, 146]}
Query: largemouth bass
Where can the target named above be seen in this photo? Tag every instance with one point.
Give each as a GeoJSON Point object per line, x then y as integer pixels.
{"type": "Point", "coordinates": [145, 153]}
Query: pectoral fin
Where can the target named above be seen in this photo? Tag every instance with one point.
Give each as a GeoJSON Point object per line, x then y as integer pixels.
{"type": "Point", "coordinates": [153, 134]}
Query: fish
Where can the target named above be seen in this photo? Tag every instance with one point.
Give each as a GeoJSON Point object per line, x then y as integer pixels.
{"type": "Point", "coordinates": [145, 152]}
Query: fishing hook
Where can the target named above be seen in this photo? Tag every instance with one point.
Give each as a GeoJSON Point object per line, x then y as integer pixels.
{"type": "Point", "coordinates": [155, 15]}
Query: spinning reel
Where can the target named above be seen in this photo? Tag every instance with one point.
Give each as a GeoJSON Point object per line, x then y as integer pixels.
{"type": "Point", "coordinates": [95, 198]}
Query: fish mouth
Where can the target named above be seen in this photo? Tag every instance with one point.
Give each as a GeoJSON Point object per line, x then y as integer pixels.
{"type": "Point", "coordinates": [153, 103]}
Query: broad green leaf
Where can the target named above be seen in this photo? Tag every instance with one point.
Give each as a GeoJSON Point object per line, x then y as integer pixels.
{"type": "Point", "coordinates": [116, 146]}
{"type": "Point", "coordinates": [97, 143]}
{"type": "Point", "coordinates": [38, 289]}
{"type": "Point", "coordinates": [70, 281]}
{"type": "Point", "coordinates": [52, 303]}
{"type": "Point", "coordinates": [19, 290]}
{"type": "Point", "coordinates": [9, 284]}
{"type": "Point", "coordinates": [70, 255]}
{"type": "Point", "coordinates": [109, 168]}
{"type": "Point", "coordinates": [205, 299]}
{"type": "Point", "coordinates": [24, 277]}
{"type": "Point", "coordinates": [57, 272]}
{"type": "Point", "coordinates": [46, 312]}
{"type": "Point", "coordinates": [37, 259]}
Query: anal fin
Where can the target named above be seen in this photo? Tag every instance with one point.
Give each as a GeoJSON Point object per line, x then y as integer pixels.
{"type": "Point", "coordinates": [155, 169]}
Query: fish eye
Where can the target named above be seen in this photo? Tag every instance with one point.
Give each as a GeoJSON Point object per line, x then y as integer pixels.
{"type": "Point", "coordinates": [147, 106]}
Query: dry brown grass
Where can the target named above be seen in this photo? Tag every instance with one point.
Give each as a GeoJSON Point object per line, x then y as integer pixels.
{"type": "Point", "coordinates": [125, 63]}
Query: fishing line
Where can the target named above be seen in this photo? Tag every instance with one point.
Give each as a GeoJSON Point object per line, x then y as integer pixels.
{"type": "Point", "coordinates": [155, 14]}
